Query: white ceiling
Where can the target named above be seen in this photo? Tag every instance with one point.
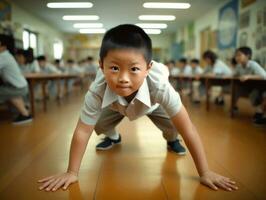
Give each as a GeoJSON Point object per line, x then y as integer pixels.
{"type": "Point", "coordinates": [114, 12]}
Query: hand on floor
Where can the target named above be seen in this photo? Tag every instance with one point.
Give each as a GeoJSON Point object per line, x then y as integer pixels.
{"type": "Point", "coordinates": [53, 183]}
{"type": "Point", "coordinates": [215, 181]}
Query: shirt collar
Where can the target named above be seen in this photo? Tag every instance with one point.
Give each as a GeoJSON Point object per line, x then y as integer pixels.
{"type": "Point", "coordinates": [143, 95]}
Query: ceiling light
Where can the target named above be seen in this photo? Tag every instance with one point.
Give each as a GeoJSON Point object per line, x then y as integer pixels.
{"type": "Point", "coordinates": [88, 25]}
{"type": "Point", "coordinates": [81, 17]}
{"type": "Point", "coordinates": [166, 5]}
{"type": "Point", "coordinates": [152, 31]}
{"type": "Point", "coordinates": [69, 5]}
{"type": "Point", "coordinates": [143, 25]}
{"type": "Point", "coordinates": [92, 31]}
{"type": "Point", "coordinates": [157, 17]}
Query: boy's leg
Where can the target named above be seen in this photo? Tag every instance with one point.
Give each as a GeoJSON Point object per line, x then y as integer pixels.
{"type": "Point", "coordinates": [196, 93]}
{"type": "Point", "coordinates": [19, 104]}
{"type": "Point", "coordinates": [160, 118]}
{"type": "Point", "coordinates": [257, 99]}
{"type": "Point", "coordinates": [106, 125]}
{"type": "Point", "coordinates": [15, 96]}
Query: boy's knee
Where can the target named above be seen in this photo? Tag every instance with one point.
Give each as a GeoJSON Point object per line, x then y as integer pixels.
{"type": "Point", "coordinates": [255, 98]}
{"type": "Point", "coordinates": [98, 129]}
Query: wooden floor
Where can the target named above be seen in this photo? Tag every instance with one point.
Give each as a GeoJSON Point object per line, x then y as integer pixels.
{"type": "Point", "coordinates": [141, 168]}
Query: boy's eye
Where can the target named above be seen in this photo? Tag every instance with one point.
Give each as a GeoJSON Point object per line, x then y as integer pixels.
{"type": "Point", "coordinates": [135, 69]}
{"type": "Point", "coordinates": [114, 68]}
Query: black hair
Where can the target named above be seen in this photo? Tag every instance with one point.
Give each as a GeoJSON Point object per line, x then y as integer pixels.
{"type": "Point", "coordinates": [28, 54]}
{"type": "Point", "coordinates": [183, 60]}
{"type": "Point", "coordinates": [172, 62]}
{"type": "Point", "coordinates": [245, 50]}
{"type": "Point", "coordinates": [57, 61]}
{"type": "Point", "coordinates": [90, 58]}
{"type": "Point", "coordinates": [126, 36]}
{"type": "Point", "coordinates": [195, 60]}
{"type": "Point", "coordinates": [70, 61]}
{"type": "Point", "coordinates": [20, 52]}
{"type": "Point", "coordinates": [4, 40]}
{"type": "Point", "coordinates": [8, 42]}
{"type": "Point", "coordinates": [41, 58]}
{"type": "Point", "coordinates": [210, 55]}
{"type": "Point", "coordinates": [233, 61]}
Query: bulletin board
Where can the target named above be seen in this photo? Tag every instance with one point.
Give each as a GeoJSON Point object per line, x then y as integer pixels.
{"type": "Point", "coordinates": [5, 10]}
{"type": "Point", "coordinates": [228, 25]}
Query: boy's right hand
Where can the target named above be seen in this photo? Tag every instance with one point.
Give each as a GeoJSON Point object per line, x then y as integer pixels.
{"type": "Point", "coordinates": [53, 183]}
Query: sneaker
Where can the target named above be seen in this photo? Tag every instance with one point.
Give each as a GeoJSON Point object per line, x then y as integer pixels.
{"type": "Point", "coordinates": [21, 119]}
{"type": "Point", "coordinates": [176, 147]}
{"type": "Point", "coordinates": [196, 102]}
{"type": "Point", "coordinates": [257, 116]}
{"type": "Point", "coordinates": [260, 121]}
{"type": "Point", "coordinates": [219, 101]}
{"type": "Point", "coordinates": [108, 143]}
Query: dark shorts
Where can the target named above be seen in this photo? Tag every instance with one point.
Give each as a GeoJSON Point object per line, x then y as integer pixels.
{"type": "Point", "coordinates": [8, 92]}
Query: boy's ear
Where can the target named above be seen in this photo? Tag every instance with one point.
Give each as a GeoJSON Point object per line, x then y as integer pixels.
{"type": "Point", "coordinates": [149, 65]}
{"type": "Point", "coordinates": [101, 64]}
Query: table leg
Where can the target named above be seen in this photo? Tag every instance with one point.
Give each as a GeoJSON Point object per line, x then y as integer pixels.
{"type": "Point", "coordinates": [233, 98]}
{"type": "Point", "coordinates": [207, 86]}
{"type": "Point", "coordinates": [44, 95]}
{"type": "Point", "coordinates": [32, 106]}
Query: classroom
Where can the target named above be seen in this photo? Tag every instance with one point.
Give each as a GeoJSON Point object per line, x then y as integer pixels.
{"type": "Point", "coordinates": [132, 100]}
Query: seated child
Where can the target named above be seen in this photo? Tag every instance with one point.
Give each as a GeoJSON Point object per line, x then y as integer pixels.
{"type": "Point", "coordinates": [247, 69]}
{"type": "Point", "coordinates": [48, 68]}
{"type": "Point", "coordinates": [26, 61]}
{"type": "Point", "coordinates": [130, 84]}
{"type": "Point", "coordinates": [216, 67]}
{"type": "Point", "coordinates": [13, 85]}
{"type": "Point", "coordinates": [196, 71]}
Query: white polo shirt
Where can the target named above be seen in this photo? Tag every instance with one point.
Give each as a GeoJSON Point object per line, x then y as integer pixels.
{"type": "Point", "coordinates": [154, 91]}
{"type": "Point", "coordinates": [10, 72]}
{"type": "Point", "coordinates": [252, 68]}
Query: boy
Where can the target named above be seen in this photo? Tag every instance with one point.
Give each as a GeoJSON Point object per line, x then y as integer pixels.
{"type": "Point", "coordinates": [47, 68]}
{"type": "Point", "coordinates": [127, 85]}
{"type": "Point", "coordinates": [185, 69]}
{"type": "Point", "coordinates": [248, 69]}
{"type": "Point", "coordinates": [216, 67]}
{"type": "Point", "coordinates": [196, 71]}
{"type": "Point", "coordinates": [13, 86]}
{"type": "Point", "coordinates": [26, 61]}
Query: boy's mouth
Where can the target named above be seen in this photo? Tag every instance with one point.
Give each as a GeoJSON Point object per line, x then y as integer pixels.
{"type": "Point", "coordinates": [122, 87]}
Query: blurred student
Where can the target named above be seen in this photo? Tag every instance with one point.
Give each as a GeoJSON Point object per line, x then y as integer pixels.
{"type": "Point", "coordinates": [13, 85]}
{"type": "Point", "coordinates": [48, 68]}
{"type": "Point", "coordinates": [196, 71]}
{"type": "Point", "coordinates": [59, 65]}
{"type": "Point", "coordinates": [248, 69]}
{"type": "Point", "coordinates": [216, 67]}
{"type": "Point", "coordinates": [26, 62]}
{"type": "Point", "coordinates": [185, 69]}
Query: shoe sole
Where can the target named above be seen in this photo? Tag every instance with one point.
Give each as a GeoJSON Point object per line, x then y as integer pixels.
{"type": "Point", "coordinates": [180, 153]}
{"type": "Point", "coordinates": [107, 148]}
{"type": "Point", "coordinates": [23, 122]}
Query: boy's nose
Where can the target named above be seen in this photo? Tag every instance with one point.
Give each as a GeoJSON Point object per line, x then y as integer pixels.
{"type": "Point", "coordinates": [123, 78]}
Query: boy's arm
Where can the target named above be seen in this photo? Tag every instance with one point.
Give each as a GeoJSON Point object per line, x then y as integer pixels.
{"type": "Point", "coordinates": [189, 133]}
{"type": "Point", "coordinates": [78, 146]}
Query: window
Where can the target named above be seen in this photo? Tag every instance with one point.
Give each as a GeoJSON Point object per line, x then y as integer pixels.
{"type": "Point", "coordinates": [30, 40]}
{"type": "Point", "coordinates": [58, 50]}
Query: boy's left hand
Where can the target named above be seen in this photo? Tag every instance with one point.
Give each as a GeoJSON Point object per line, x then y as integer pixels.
{"type": "Point", "coordinates": [215, 181]}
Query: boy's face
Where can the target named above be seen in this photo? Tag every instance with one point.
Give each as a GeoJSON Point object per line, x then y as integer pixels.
{"type": "Point", "coordinates": [193, 64]}
{"type": "Point", "coordinates": [124, 70]}
{"type": "Point", "coordinates": [20, 59]}
{"type": "Point", "coordinates": [181, 64]}
{"type": "Point", "coordinates": [42, 63]}
{"type": "Point", "coordinates": [241, 58]}
{"type": "Point", "coordinates": [207, 61]}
